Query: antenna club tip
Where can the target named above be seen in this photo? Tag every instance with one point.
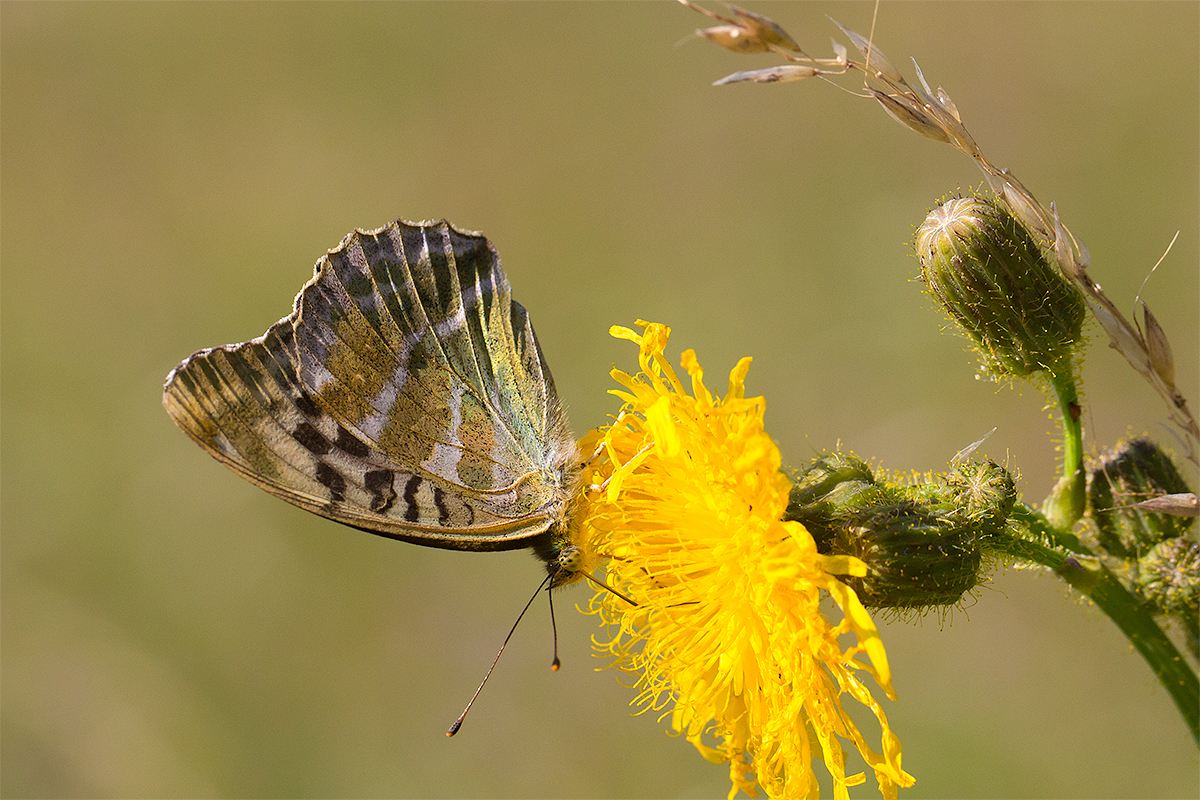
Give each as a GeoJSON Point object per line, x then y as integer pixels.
{"type": "Point", "coordinates": [554, 667]}
{"type": "Point", "coordinates": [454, 728]}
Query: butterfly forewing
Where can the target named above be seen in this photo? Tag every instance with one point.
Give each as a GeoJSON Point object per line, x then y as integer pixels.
{"type": "Point", "coordinates": [406, 394]}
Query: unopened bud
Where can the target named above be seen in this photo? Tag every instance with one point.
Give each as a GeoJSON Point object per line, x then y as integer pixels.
{"type": "Point", "coordinates": [1169, 579]}
{"type": "Point", "coordinates": [826, 473]}
{"type": "Point", "coordinates": [1169, 576]}
{"type": "Point", "coordinates": [1135, 471]}
{"type": "Point", "coordinates": [923, 544]}
{"type": "Point", "coordinates": [982, 494]}
{"type": "Point", "coordinates": [989, 274]}
{"type": "Point", "coordinates": [823, 492]}
{"type": "Point", "coordinates": [915, 557]}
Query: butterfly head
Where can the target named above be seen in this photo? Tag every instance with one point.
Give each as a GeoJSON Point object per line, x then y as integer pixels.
{"type": "Point", "coordinates": [566, 567]}
{"type": "Point", "coordinates": [566, 561]}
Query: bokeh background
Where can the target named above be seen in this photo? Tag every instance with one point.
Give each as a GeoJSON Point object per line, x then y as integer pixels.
{"type": "Point", "coordinates": [172, 171]}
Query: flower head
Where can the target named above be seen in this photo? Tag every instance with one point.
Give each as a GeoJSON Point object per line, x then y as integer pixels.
{"type": "Point", "coordinates": [727, 633]}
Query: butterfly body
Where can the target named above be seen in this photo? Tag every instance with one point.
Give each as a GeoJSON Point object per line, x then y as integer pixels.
{"type": "Point", "coordinates": [405, 395]}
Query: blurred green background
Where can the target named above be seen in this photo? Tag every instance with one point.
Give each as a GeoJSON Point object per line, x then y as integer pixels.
{"type": "Point", "coordinates": [171, 171]}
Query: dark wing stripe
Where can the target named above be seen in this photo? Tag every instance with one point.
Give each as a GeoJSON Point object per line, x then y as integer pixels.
{"type": "Point", "coordinates": [333, 480]}
{"type": "Point", "coordinates": [349, 443]}
{"type": "Point", "coordinates": [426, 296]}
{"type": "Point", "coordinates": [380, 483]}
{"type": "Point", "coordinates": [411, 512]}
{"type": "Point", "coordinates": [312, 439]}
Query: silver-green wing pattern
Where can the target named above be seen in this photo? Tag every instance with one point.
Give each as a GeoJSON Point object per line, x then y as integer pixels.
{"type": "Point", "coordinates": [406, 394]}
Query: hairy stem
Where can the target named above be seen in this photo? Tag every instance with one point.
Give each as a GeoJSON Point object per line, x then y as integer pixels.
{"type": "Point", "coordinates": [1100, 585]}
{"type": "Point", "coordinates": [1065, 504]}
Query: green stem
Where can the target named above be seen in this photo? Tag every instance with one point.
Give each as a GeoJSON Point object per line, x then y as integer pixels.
{"type": "Point", "coordinates": [1072, 414]}
{"type": "Point", "coordinates": [1100, 585]}
{"type": "Point", "coordinates": [1066, 502]}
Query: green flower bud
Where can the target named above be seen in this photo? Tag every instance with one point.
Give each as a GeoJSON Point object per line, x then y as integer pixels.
{"type": "Point", "coordinates": [1135, 471]}
{"type": "Point", "coordinates": [825, 474]}
{"type": "Point", "coordinates": [982, 494]}
{"type": "Point", "coordinates": [1169, 579]}
{"type": "Point", "coordinates": [832, 482]}
{"type": "Point", "coordinates": [987, 271]}
{"type": "Point", "coordinates": [915, 557]}
{"type": "Point", "coordinates": [1169, 576]}
{"type": "Point", "coordinates": [923, 544]}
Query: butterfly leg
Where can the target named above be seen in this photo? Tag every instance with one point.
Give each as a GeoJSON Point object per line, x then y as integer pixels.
{"type": "Point", "coordinates": [600, 487]}
{"type": "Point", "coordinates": [596, 487]}
{"type": "Point", "coordinates": [600, 447]}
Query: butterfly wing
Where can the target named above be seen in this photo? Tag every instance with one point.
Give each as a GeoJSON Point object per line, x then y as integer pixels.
{"type": "Point", "coordinates": [406, 395]}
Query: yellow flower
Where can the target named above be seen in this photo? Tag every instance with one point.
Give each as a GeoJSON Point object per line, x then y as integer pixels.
{"type": "Point", "coordinates": [727, 636]}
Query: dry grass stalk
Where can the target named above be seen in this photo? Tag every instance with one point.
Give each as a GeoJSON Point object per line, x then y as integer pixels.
{"type": "Point", "coordinates": [934, 115]}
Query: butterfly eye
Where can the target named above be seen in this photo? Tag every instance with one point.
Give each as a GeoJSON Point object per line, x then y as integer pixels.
{"type": "Point", "coordinates": [571, 559]}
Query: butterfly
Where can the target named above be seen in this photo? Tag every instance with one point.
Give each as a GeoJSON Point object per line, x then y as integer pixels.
{"type": "Point", "coordinates": [405, 395]}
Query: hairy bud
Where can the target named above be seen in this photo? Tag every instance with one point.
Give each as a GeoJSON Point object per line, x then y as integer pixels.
{"type": "Point", "coordinates": [923, 544]}
{"type": "Point", "coordinates": [988, 272]}
{"type": "Point", "coordinates": [1136, 471]}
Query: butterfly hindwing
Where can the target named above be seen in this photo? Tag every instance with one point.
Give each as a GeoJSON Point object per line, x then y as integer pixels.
{"type": "Point", "coordinates": [406, 395]}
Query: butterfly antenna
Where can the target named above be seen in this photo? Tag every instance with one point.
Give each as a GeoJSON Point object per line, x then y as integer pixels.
{"type": "Point", "coordinates": [458, 722]}
{"type": "Point", "coordinates": [554, 665]}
